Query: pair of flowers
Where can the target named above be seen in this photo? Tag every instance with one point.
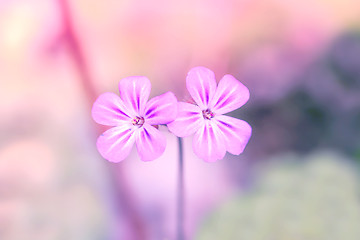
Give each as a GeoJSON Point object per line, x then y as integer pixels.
{"type": "Point", "coordinates": [133, 117]}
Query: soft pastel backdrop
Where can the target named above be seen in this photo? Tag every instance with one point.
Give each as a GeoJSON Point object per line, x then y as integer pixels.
{"type": "Point", "coordinates": [300, 60]}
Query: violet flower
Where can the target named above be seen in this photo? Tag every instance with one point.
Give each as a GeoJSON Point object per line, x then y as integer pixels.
{"type": "Point", "coordinates": [215, 133]}
{"type": "Point", "coordinates": [132, 117]}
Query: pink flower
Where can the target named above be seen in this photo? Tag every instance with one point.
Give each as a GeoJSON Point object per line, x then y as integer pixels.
{"type": "Point", "coordinates": [132, 117]}
{"type": "Point", "coordinates": [215, 133]}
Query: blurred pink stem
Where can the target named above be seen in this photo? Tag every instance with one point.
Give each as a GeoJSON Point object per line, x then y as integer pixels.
{"type": "Point", "coordinates": [123, 193]}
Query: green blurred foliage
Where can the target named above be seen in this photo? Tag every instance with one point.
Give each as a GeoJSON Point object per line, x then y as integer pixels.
{"type": "Point", "coordinates": [316, 198]}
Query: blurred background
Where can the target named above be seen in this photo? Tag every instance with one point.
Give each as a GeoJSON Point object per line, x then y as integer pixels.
{"type": "Point", "coordinates": [298, 178]}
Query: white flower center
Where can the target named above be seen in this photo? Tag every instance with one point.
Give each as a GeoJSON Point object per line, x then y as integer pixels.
{"type": "Point", "coordinates": [208, 114]}
{"type": "Point", "coordinates": [138, 121]}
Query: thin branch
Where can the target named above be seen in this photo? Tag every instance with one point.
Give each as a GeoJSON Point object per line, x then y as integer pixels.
{"type": "Point", "coordinates": [123, 192]}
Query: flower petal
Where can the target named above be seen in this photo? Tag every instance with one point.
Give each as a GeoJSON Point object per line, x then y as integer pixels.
{"type": "Point", "coordinates": [150, 143]}
{"type": "Point", "coordinates": [236, 133]}
{"type": "Point", "coordinates": [201, 85]}
{"type": "Point", "coordinates": [230, 95]}
{"type": "Point", "coordinates": [116, 143]}
{"type": "Point", "coordinates": [189, 120]}
{"type": "Point", "coordinates": [161, 109]}
{"type": "Point", "coordinates": [135, 91]}
{"type": "Point", "coordinates": [208, 142]}
{"type": "Point", "coordinates": [109, 110]}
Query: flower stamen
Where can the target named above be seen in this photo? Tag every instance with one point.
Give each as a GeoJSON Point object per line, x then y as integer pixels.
{"type": "Point", "coordinates": [208, 114]}
{"type": "Point", "coordinates": [138, 121]}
